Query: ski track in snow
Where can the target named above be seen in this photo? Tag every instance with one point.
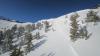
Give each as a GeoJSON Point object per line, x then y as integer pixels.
{"type": "Point", "coordinates": [73, 50]}
{"type": "Point", "coordinates": [57, 43]}
{"type": "Point", "coordinates": [64, 28]}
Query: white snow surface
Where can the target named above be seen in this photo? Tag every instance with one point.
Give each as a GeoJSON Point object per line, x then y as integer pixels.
{"type": "Point", "coordinates": [58, 43]}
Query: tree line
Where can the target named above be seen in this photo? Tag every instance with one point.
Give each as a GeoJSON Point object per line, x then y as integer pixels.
{"type": "Point", "coordinates": [21, 34]}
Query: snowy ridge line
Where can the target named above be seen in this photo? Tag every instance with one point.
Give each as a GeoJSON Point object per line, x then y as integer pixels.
{"type": "Point", "coordinates": [56, 41]}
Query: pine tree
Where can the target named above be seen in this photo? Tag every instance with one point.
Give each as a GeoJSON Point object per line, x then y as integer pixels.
{"type": "Point", "coordinates": [1, 37]}
{"type": "Point", "coordinates": [1, 41]}
{"type": "Point", "coordinates": [37, 35]}
{"type": "Point", "coordinates": [33, 26]}
{"type": "Point", "coordinates": [16, 52]}
{"type": "Point", "coordinates": [39, 25]}
{"type": "Point", "coordinates": [74, 27]}
{"type": "Point", "coordinates": [92, 17]}
{"type": "Point", "coordinates": [20, 30]}
{"type": "Point", "coordinates": [47, 25]}
{"type": "Point", "coordinates": [77, 32]}
{"type": "Point", "coordinates": [84, 34]}
{"type": "Point", "coordinates": [8, 37]}
{"type": "Point", "coordinates": [28, 28]}
{"type": "Point", "coordinates": [28, 47]}
{"type": "Point", "coordinates": [14, 28]}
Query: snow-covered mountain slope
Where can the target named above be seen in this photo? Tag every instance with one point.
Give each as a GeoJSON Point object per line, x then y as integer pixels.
{"type": "Point", "coordinates": [8, 24]}
{"type": "Point", "coordinates": [57, 41]}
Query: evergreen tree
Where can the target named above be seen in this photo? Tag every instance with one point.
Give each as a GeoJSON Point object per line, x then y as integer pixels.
{"type": "Point", "coordinates": [8, 40]}
{"type": "Point", "coordinates": [8, 36]}
{"type": "Point", "coordinates": [1, 41]}
{"type": "Point", "coordinates": [1, 37]}
{"type": "Point", "coordinates": [16, 52]}
{"type": "Point", "coordinates": [28, 28]}
{"type": "Point", "coordinates": [77, 32]}
{"type": "Point", "coordinates": [39, 25]}
{"type": "Point", "coordinates": [33, 26]}
{"type": "Point", "coordinates": [92, 17]}
{"type": "Point", "coordinates": [20, 30]}
{"type": "Point", "coordinates": [47, 25]}
{"type": "Point", "coordinates": [74, 27]}
{"type": "Point", "coordinates": [28, 37]}
{"type": "Point", "coordinates": [14, 28]}
{"type": "Point", "coordinates": [83, 33]}
{"type": "Point", "coordinates": [37, 35]}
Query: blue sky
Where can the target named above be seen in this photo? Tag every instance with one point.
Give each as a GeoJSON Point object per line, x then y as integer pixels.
{"type": "Point", "coordinates": [34, 10]}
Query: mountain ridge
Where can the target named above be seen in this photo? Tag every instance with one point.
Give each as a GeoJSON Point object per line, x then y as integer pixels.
{"type": "Point", "coordinates": [55, 36]}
